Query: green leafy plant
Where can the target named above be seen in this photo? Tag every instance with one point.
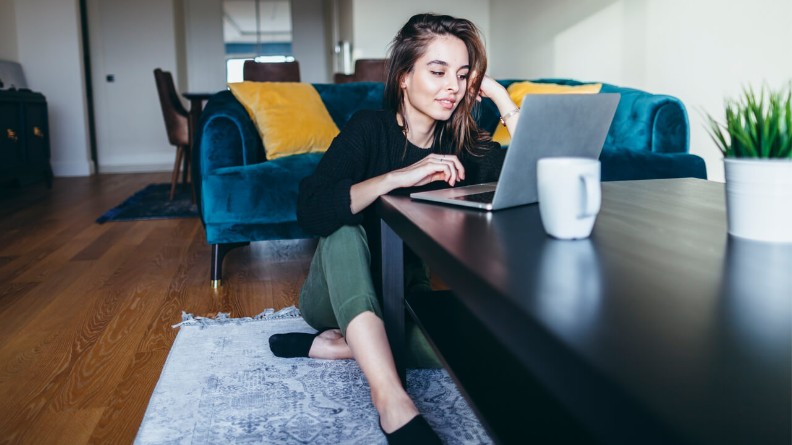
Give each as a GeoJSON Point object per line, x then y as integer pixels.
{"type": "Point", "coordinates": [756, 125]}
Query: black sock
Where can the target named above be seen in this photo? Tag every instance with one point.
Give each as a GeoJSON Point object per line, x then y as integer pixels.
{"type": "Point", "coordinates": [293, 344]}
{"type": "Point", "coordinates": [414, 432]}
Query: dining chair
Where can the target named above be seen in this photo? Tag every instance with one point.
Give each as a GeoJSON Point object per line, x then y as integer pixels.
{"type": "Point", "coordinates": [366, 70]}
{"type": "Point", "coordinates": [271, 71]}
{"type": "Point", "coordinates": [177, 123]}
{"type": "Point", "coordinates": [370, 70]}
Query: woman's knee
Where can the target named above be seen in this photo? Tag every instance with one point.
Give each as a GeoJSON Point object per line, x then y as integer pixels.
{"type": "Point", "coordinates": [346, 237]}
{"type": "Point", "coordinates": [348, 233]}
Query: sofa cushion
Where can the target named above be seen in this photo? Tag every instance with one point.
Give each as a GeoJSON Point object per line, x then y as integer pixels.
{"type": "Point", "coordinates": [518, 90]}
{"type": "Point", "coordinates": [290, 116]}
{"type": "Point", "coordinates": [648, 122]}
{"type": "Point", "coordinates": [240, 192]}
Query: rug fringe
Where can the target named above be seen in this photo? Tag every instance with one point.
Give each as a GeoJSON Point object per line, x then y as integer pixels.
{"type": "Point", "coordinates": [223, 318]}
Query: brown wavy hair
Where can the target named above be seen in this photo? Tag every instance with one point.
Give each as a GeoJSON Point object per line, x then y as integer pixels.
{"type": "Point", "coordinates": [460, 131]}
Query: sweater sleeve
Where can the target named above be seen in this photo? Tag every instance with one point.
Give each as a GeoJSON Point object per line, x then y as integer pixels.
{"type": "Point", "coordinates": [324, 202]}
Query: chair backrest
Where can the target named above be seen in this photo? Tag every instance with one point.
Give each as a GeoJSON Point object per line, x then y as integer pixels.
{"type": "Point", "coordinates": [271, 72]}
{"type": "Point", "coordinates": [366, 70]}
{"type": "Point", "coordinates": [370, 70]}
{"type": "Point", "coordinates": [176, 117]}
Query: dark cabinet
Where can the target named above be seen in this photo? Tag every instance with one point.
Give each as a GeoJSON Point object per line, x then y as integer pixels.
{"type": "Point", "coordinates": [24, 138]}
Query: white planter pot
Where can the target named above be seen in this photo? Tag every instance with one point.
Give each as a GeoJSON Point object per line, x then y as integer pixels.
{"type": "Point", "coordinates": [759, 199]}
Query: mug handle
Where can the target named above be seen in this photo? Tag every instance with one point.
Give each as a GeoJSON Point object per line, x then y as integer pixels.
{"type": "Point", "coordinates": [592, 196]}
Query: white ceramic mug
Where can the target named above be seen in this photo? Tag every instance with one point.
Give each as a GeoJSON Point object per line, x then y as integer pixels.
{"type": "Point", "coordinates": [569, 195]}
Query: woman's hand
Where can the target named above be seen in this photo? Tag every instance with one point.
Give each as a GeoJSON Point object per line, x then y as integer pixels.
{"type": "Point", "coordinates": [434, 167]}
{"type": "Point", "coordinates": [495, 91]}
{"type": "Point", "coordinates": [492, 89]}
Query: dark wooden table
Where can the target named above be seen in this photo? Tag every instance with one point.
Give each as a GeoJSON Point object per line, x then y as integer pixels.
{"type": "Point", "coordinates": [660, 328]}
{"type": "Point", "coordinates": [196, 107]}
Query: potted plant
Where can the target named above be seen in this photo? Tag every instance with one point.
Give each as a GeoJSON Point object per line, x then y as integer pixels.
{"type": "Point", "coordinates": [756, 142]}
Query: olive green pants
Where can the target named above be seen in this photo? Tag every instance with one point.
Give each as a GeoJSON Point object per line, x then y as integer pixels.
{"type": "Point", "coordinates": [339, 288]}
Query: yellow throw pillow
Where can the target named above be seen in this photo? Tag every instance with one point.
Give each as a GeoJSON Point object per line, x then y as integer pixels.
{"type": "Point", "coordinates": [518, 90]}
{"type": "Point", "coordinates": [291, 117]}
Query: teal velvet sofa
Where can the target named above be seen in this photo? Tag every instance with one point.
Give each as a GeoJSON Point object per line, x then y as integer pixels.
{"type": "Point", "coordinates": [244, 197]}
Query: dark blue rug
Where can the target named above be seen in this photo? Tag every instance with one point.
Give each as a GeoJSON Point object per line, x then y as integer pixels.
{"type": "Point", "coordinates": [152, 203]}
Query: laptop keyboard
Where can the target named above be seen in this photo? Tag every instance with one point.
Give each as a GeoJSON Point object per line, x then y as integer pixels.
{"type": "Point", "coordinates": [484, 197]}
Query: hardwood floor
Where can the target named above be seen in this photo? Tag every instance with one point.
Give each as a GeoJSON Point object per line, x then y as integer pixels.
{"type": "Point", "coordinates": [86, 309]}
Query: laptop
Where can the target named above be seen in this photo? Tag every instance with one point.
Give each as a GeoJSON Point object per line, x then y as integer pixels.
{"type": "Point", "coordinates": [550, 125]}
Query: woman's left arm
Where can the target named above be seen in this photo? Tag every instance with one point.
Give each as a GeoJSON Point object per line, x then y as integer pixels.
{"type": "Point", "coordinates": [509, 112]}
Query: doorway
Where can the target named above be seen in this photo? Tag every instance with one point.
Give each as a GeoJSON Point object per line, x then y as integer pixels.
{"type": "Point", "coordinates": [127, 41]}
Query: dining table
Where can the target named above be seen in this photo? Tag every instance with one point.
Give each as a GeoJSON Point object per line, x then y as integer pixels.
{"type": "Point", "coordinates": [197, 100]}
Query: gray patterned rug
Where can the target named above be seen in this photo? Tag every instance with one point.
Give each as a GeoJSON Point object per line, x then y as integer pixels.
{"type": "Point", "coordinates": [222, 385]}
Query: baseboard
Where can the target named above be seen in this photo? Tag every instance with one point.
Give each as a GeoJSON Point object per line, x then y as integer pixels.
{"type": "Point", "coordinates": [135, 168]}
{"type": "Point", "coordinates": [137, 160]}
{"type": "Point", "coordinates": [71, 168]}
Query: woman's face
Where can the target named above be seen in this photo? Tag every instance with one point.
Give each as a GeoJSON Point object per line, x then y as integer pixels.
{"type": "Point", "coordinates": [437, 82]}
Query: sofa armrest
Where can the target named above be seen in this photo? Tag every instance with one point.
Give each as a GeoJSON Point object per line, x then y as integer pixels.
{"type": "Point", "coordinates": [671, 129]}
{"type": "Point", "coordinates": [265, 193]}
{"type": "Point", "coordinates": [226, 135]}
{"type": "Point", "coordinates": [648, 122]}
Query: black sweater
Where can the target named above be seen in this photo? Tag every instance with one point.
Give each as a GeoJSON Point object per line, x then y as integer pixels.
{"type": "Point", "coordinates": [371, 144]}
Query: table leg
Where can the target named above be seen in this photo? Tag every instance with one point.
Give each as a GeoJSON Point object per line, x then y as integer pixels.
{"type": "Point", "coordinates": [393, 295]}
{"type": "Point", "coordinates": [196, 107]}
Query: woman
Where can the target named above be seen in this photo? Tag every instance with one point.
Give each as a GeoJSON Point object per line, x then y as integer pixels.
{"type": "Point", "coordinates": [426, 134]}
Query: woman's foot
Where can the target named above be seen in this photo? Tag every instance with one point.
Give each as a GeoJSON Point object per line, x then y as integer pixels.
{"type": "Point", "coordinates": [326, 344]}
{"type": "Point", "coordinates": [331, 345]}
{"type": "Point", "coordinates": [395, 410]}
{"type": "Point", "coordinates": [416, 431]}
{"type": "Point", "coordinates": [292, 344]}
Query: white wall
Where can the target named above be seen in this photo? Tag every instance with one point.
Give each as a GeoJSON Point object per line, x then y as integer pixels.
{"type": "Point", "coordinates": [709, 52]}
{"type": "Point", "coordinates": [8, 39]}
{"type": "Point", "coordinates": [376, 22]}
{"type": "Point", "coordinates": [49, 48]}
{"type": "Point", "coordinates": [203, 46]}
{"type": "Point", "coordinates": [309, 39]}
{"type": "Point", "coordinates": [699, 51]}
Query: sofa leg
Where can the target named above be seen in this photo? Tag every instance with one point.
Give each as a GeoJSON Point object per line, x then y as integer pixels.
{"type": "Point", "coordinates": [219, 252]}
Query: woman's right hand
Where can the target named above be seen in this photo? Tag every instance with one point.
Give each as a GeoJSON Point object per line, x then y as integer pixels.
{"type": "Point", "coordinates": [432, 168]}
{"type": "Point", "coordinates": [435, 167]}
